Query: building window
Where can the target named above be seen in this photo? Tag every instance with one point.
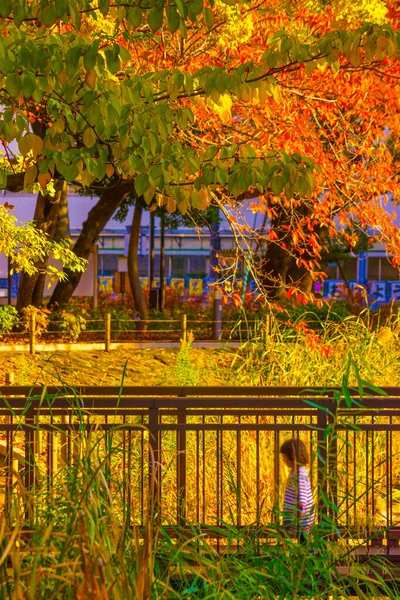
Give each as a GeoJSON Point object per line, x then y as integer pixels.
{"type": "Point", "coordinates": [388, 271]}
{"type": "Point", "coordinates": [374, 268]}
{"type": "Point", "coordinates": [197, 266]}
{"type": "Point", "coordinates": [178, 266]}
{"type": "Point", "coordinates": [108, 264]}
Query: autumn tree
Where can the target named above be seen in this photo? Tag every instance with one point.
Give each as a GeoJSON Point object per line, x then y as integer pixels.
{"type": "Point", "coordinates": [178, 105]}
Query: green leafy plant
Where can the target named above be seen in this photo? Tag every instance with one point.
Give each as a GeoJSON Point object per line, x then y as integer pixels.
{"type": "Point", "coordinates": [72, 324]}
{"type": "Point", "coordinates": [186, 373]}
{"type": "Point", "coordinates": [8, 318]}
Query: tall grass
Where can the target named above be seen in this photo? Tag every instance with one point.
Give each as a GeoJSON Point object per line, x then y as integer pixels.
{"type": "Point", "coordinates": [296, 354]}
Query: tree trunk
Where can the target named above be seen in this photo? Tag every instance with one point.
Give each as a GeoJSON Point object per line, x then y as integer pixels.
{"type": "Point", "coordinates": [162, 263]}
{"type": "Point", "coordinates": [62, 227]}
{"type": "Point", "coordinates": [31, 287]}
{"type": "Point", "coordinates": [61, 231]}
{"type": "Point", "coordinates": [133, 266]}
{"type": "Point", "coordinates": [97, 218]}
{"type": "Point", "coordinates": [278, 264]}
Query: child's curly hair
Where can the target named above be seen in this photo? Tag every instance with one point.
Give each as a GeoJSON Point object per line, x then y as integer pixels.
{"type": "Point", "coordinates": [296, 451]}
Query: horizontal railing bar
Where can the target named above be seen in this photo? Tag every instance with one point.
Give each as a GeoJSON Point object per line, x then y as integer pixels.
{"type": "Point", "coordinates": [189, 427]}
{"type": "Point", "coordinates": [197, 391]}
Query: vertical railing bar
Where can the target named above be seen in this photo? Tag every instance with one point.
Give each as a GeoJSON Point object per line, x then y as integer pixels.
{"type": "Point", "coordinates": [181, 467]}
{"type": "Point", "coordinates": [239, 475]}
{"type": "Point", "coordinates": [367, 482]}
{"type": "Point", "coordinates": [347, 479]}
{"type": "Point", "coordinates": [373, 467]}
{"type": "Point", "coordinates": [391, 471]}
{"type": "Point", "coordinates": [154, 461]}
{"type": "Point", "coordinates": [258, 471]}
{"type": "Point", "coordinates": [142, 489]}
{"type": "Point", "coordinates": [198, 476]}
{"type": "Point", "coordinates": [354, 474]}
{"type": "Point", "coordinates": [322, 455]}
{"type": "Point", "coordinates": [387, 481]}
{"type": "Point", "coordinates": [204, 469]}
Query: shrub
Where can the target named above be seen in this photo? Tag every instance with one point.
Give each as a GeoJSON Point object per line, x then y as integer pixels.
{"type": "Point", "coordinates": [42, 317]}
{"type": "Point", "coordinates": [72, 324]}
{"type": "Point", "coordinates": [8, 318]}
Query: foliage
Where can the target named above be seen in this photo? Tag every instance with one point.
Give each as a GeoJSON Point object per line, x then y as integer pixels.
{"type": "Point", "coordinates": [25, 245]}
{"type": "Point", "coordinates": [72, 324]}
{"type": "Point", "coordinates": [8, 317]}
{"type": "Point", "coordinates": [162, 100]}
{"type": "Point", "coordinates": [186, 373]}
{"type": "Point", "coordinates": [41, 316]}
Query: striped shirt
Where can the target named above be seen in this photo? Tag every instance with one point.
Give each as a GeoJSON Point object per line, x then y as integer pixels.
{"type": "Point", "coordinates": [298, 504]}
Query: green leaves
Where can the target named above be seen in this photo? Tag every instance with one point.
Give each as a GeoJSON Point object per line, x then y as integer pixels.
{"type": "Point", "coordinates": [28, 84]}
{"type": "Point", "coordinates": [3, 179]}
{"type": "Point", "coordinates": [112, 58]}
{"type": "Point", "coordinates": [155, 19]}
{"type": "Point", "coordinates": [135, 17]}
{"type": "Point", "coordinates": [5, 8]}
{"type": "Point", "coordinates": [173, 19]}
{"type": "Point", "coordinates": [13, 84]}
{"type": "Point", "coordinates": [142, 184]}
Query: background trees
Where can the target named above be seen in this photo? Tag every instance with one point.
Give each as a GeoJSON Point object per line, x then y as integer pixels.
{"type": "Point", "coordinates": [203, 103]}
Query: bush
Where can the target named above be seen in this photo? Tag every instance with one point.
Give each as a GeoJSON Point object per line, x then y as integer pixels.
{"type": "Point", "coordinates": [72, 324]}
{"type": "Point", "coordinates": [8, 318]}
{"type": "Point", "coordinates": [42, 318]}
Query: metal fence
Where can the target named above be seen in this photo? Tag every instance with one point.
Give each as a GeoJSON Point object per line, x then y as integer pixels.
{"type": "Point", "coordinates": [212, 453]}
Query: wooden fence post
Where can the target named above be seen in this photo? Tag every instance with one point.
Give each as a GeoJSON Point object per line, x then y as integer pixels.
{"type": "Point", "coordinates": [184, 328]}
{"type": "Point", "coordinates": [107, 326]}
{"type": "Point", "coordinates": [10, 378]}
{"type": "Point", "coordinates": [32, 333]}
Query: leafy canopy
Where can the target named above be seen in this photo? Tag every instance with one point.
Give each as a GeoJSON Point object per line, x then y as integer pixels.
{"type": "Point", "coordinates": [99, 110]}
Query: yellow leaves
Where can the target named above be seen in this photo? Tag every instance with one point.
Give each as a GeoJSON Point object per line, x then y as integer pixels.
{"type": "Point", "coordinates": [30, 143]}
{"type": "Point", "coordinates": [171, 205]}
{"type": "Point", "coordinates": [62, 77]}
{"type": "Point", "coordinates": [109, 170]}
{"type": "Point", "coordinates": [89, 137]}
{"type": "Point", "coordinates": [44, 179]}
{"type": "Point", "coordinates": [30, 176]}
{"type": "Point", "coordinates": [223, 108]}
{"type": "Point", "coordinates": [58, 126]}
{"type": "Point", "coordinates": [205, 200]}
{"type": "Point", "coordinates": [91, 78]}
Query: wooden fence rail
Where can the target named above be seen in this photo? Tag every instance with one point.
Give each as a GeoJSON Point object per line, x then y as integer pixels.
{"type": "Point", "coordinates": [213, 452]}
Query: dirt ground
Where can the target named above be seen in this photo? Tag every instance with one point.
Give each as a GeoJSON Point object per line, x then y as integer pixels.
{"type": "Point", "coordinates": [153, 366]}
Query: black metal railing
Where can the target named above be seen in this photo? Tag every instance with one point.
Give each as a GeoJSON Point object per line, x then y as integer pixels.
{"type": "Point", "coordinates": [212, 453]}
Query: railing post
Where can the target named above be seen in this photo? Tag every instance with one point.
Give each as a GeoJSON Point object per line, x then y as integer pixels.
{"type": "Point", "coordinates": [107, 327]}
{"type": "Point", "coordinates": [322, 459]}
{"type": "Point", "coordinates": [181, 467]}
{"type": "Point", "coordinates": [32, 333]}
{"type": "Point", "coordinates": [29, 479]}
{"type": "Point", "coordinates": [183, 327]}
{"type": "Point", "coordinates": [154, 462]}
{"type": "Point", "coordinates": [217, 315]}
{"type": "Point", "coordinates": [327, 457]}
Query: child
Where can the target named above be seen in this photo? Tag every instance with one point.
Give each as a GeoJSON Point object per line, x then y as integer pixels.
{"type": "Point", "coordinates": [298, 504]}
